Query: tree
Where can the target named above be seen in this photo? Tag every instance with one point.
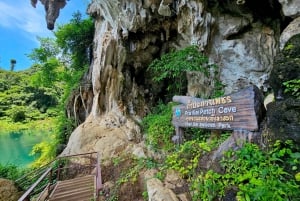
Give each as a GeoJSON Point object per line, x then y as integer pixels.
{"type": "Point", "coordinates": [48, 64]}
{"type": "Point", "coordinates": [48, 49]}
{"type": "Point", "coordinates": [12, 64]}
{"type": "Point", "coordinates": [76, 39]}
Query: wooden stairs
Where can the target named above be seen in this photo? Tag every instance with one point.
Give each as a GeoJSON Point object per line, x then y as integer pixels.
{"type": "Point", "coordinates": [52, 182]}
{"type": "Point", "coordinates": [78, 189]}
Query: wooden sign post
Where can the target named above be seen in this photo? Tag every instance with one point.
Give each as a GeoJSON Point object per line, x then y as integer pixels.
{"type": "Point", "coordinates": [239, 111]}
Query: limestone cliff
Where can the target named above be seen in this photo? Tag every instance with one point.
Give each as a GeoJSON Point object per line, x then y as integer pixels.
{"type": "Point", "coordinates": [242, 37]}
{"type": "Point", "coordinates": [239, 36]}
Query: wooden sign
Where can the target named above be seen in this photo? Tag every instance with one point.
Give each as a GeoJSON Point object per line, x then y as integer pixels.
{"type": "Point", "coordinates": [239, 111]}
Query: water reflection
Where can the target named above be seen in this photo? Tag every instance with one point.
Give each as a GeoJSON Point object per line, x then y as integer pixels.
{"type": "Point", "coordinates": [15, 135]}
{"type": "Point", "coordinates": [16, 146]}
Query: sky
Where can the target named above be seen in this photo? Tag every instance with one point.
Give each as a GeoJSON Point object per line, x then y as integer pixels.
{"type": "Point", "coordinates": [21, 24]}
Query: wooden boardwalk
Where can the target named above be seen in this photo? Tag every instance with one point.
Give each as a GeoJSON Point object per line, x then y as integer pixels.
{"type": "Point", "coordinates": [78, 189]}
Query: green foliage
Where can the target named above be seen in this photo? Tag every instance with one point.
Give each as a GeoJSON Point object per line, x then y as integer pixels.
{"type": "Point", "coordinates": [17, 113]}
{"type": "Point", "coordinates": [48, 74]}
{"type": "Point", "coordinates": [207, 186]}
{"type": "Point", "coordinates": [76, 39]}
{"type": "Point", "coordinates": [46, 124]}
{"type": "Point", "coordinates": [292, 87]}
{"type": "Point", "coordinates": [257, 175]}
{"type": "Point", "coordinates": [145, 195]}
{"type": "Point", "coordinates": [218, 90]}
{"type": "Point", "coordinates": [48, 68]}
{"type": "Point", "coordinates": [289, 46]}
{"type": "Point", "coordinates": [20, 101]}
{"type": "Point", "coordinates": [33, 98]}
{"type": "Point", "coordinates": [196, 134]}
{"type": "Point", "coordinates": [48, 49]}
{"type": "Point", "coordinates": [129, 174]}
{"type": "Point", "coordinates": [72, 78]}
{"type": "Point", "coordinates": [158, 128]}
{"type": "Point", "coordinates": [185, 160]}
{"type": "Point", "coordinates": [46, 150]}
{"type": "Point", "coordinates": [160, 175]}
{"type": "Point", "coordinates": [297, 176]}
{"type": "Point", "coordinates": [172, 68]}
{"type": "Point", "coordinates": [60, 64]}
{"type": "Point", "coordinates": [64, 128]}
{"type": "Point", "coordinates": [10, 171]}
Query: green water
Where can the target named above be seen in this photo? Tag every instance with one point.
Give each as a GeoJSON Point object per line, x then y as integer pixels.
{"type": "Point", "coordinates": [16, 146]}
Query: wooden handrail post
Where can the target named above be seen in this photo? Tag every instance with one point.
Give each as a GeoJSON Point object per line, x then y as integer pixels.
{"type": "Point", "coordinates": [91, 163]}
{"type": "Point", "coordinates": [50, 181]}
{"type": "Point", "coordinates": [98, 176]}
{"type": "Point", "coordinates": [58, 171]}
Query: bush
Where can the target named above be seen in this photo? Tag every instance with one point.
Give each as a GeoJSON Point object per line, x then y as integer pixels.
{"type": "Point", "coordinates": [171, 68]}
{"type": "Point", "coordinates": [46, 152]}
{"type": "Point", "coordinates": [185, 160]}
{"type": "Point", "coordinates": [292, 87]}
{"type": "Point", "coordinates": [10, 171]}
{"type": "Point", "coordinates": [17, 113]}
{"type": "Point", "coordinates": [158, 128]}
{"type": "Point", "coordinates": [257, 175]}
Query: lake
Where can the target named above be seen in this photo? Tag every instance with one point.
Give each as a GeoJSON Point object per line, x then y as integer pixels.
{"type": "Point", "coordinates": [16, 146]}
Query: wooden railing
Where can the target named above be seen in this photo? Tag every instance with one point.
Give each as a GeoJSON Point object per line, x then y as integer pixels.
{"type": "Point", "coordinates": [98, 176]}
{"type": "Point", "coordinates": [43, 180]}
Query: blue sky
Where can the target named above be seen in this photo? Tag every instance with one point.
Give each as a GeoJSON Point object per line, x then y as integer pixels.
{"type": "Point", "coordinates": [20, 24]}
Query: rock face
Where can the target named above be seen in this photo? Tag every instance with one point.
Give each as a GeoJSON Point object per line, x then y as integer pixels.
{"type": "Point", "coordinates": [130, 34]}
{"type": "Point", "coordinates": [165, 190]}
{"type": "Point", "coordinates": [241, 58]}
{"type": "Point", "coordinates": [291, 30]}
{"type": "Point", "coordinates": [106, 136]}
{"type": "Point", "coordinates": [290, 7]}
{"type": "Point", "coordinates": [283, 115]}
{"type": "Point", "coordinates": [240, 38]}
{"type": "Point", "coordinates": [284, 120]}
{"type": "Point", "coordinates": [286, 66]}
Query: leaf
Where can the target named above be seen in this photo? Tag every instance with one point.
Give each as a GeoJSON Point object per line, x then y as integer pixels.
{"type": "Point", "coordinates": [247, 197]}
{"type": "Point", "coordinates": [297, 176]}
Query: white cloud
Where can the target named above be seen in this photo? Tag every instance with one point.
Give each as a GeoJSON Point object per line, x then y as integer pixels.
{"type": "Point", "coordinates": [21, 16]}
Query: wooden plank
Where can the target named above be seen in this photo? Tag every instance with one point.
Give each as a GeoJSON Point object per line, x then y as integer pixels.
{"type": "Point", "coordinates": [239, 111]}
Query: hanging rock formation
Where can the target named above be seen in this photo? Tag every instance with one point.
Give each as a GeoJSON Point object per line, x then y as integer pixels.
{"type": "Point", "coordinates": [52, 8]}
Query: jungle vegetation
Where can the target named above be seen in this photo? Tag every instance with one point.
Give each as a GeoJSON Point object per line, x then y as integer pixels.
{"type": "Point", "coordinates": [34, 99]}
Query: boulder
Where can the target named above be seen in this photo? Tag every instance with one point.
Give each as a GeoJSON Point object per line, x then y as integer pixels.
{"type": "Point", "coordinates": [290, 8]}
{"type": "Point", "coordinates": [283, 120]}
{"type": "Point", "coordinates": [283, 115]}
{"type": "Point", "coordinates": [291, 30]}
{"type": "Point", "coordinates": [8, 190]}
{"type": "Point", "coordinates": [286, 67]}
